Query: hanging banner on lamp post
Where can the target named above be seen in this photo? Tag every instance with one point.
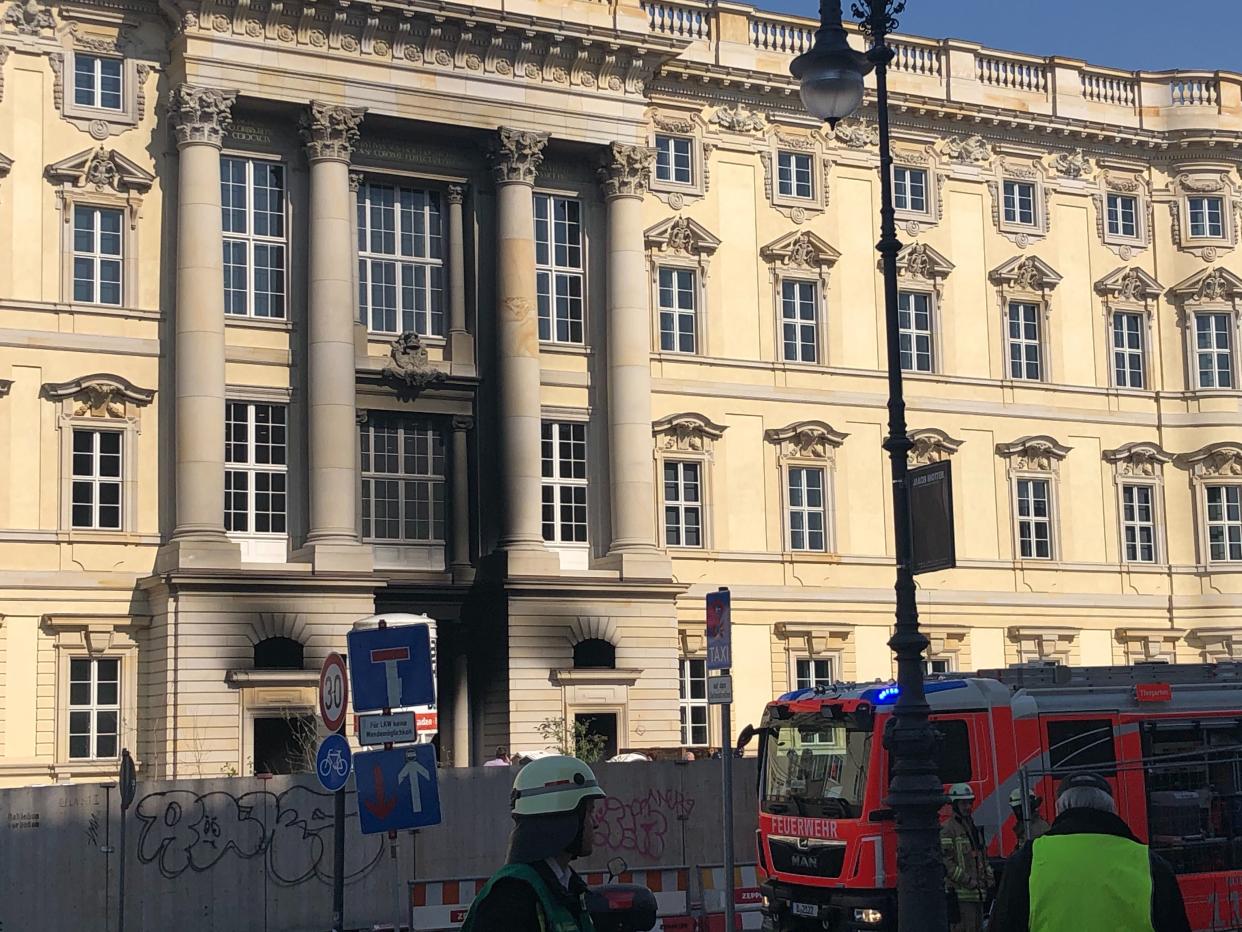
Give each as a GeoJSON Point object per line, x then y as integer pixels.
{"type": "Point", "coordinates": [930, 493]}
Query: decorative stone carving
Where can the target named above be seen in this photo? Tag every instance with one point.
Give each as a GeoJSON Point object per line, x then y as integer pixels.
{"type": "Point", "coordinates": [1129, 286]}
{"type": "Point", "coordinates": [687, 433]}
{"type": "Point", "coordinates": [801, 250]}
{"type": "Point", "coordinates": [1199, 184]}
{"type": "Point", "coordinates": [971, 149]}
{"type": "Point", "coordinates": [1142, 459]}
{"type": "Point", "coordinates": [682, 236]}
{"type": "Point", "coordinates": [516, 155]}
{"type": "Point", "coordinates": [330, 132]}
{"type": "Point", "coordinates": [102, 169]}
{"type": "Point", "coordinates": [857, 134]}
{"type": "Point", "coordinates": [738, 119]}
{"type": "Point", "coordinates": [806, 440]}
{"type": "Point", "coordinates": [627, 170]}
{"type": "Point", "coordinates": [99, 395]}
{"type": "Point", "coordinates": [1214, 461]}
{"type": "Point", "coordinates": [455, 193]}
{"type": "Point", "coordinates": [682, 125]}
{"type": "Point", "coordinates": [200, 114]}
{"type": "Point", "coordinates": [1123, 185]}
{"type": "Point", "coordinates": [920, 264]}
{"type": "Point", "coordinates": [1044, 644]}
{"type": "Point", "coordinates": [931, 445]}
{"type": "Point", "coordinates": [409, 364]}
{"type": "Point", "coordinates": [790, 141]}
{"type": "Point", "coordinates": [28, 18]}
{"type": "Point", "coordinates": [1211, 286]}
{"type": "Point", "coordinates": [1072, 164]}
{"type": "Point", "coordinates": [1038, 453]}
{"type": "Point", "coordinates": [1026, 273]}
{"type": "Point", "coordinates": [6, 165]}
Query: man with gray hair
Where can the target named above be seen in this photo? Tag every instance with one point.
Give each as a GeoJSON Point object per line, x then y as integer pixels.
{"type": "Point", "coordinates": [1088, 873]}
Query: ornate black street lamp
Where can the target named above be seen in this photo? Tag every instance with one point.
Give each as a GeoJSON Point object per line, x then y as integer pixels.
{"type": "Point", "coordinates": [831, 76]}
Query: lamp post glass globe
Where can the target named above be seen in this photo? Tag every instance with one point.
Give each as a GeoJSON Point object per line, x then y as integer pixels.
{"type": "Point", "coordinates": [830, 92]}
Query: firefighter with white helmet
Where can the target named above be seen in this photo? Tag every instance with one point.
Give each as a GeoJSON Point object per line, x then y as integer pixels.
{"type": "Point", "coordinates": [966, 868]}
{"type": "Point", "coordinates": [1027, 829]}
{"type": "Point", "coordinates": [537, 890]}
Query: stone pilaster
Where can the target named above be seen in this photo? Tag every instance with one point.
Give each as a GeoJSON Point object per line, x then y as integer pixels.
{"type": "Point", "coordinates": [516, 156]}
{"type": "Point", "coordinates": [633, 550]}
{"type": "Point", "coordinates": [461, 343]}
{"type": "Point", "coordinates": [332, 537]}
{"type": "Point", "coordinates": [199, 116]}
{"type": "Point", "coordinates": [461, 711]}
{"type": "Point", "coordinates": [460, 498]}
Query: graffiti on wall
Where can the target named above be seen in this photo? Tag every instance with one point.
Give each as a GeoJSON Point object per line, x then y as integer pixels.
{"type": "Point", "coordinates": [640, 824]}
{"type": "Point", "coordinates": [291, 831]}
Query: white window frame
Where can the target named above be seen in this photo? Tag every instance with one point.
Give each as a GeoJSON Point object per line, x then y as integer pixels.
{"type": "Point", "coordinates": [96, 256]}
{"type": "Point", "coordinates": [789, 169]}
{"type": "Point", "coordinates": [796, 681]}
{"type": "Point", "coordinates": [94, 708]}
{"type": "Point", "coordinates": [1006, 203]}
{"type": "Point", "coordinates": [1039, 343]}
{"type": "Point", "coordinates": [930, 662]}
{"type": "Point", "coordinates": [1128, 352]}
{"type": "Point", "coordinates": [681, 505]}
{"type": "Point", "coordinates": [412, 488]}
{"type": "Point", "coordinates": [1221, 218]}
{"type": "Point", "coordinates": [798, 322]}
{"type": "Point", "coordinates": [1232, 526]}
{"type": "Point", "coordinates": [1114, 220]}
{"type": "Point", "coordinates": [903, 190]}
{"type": "Point", "coordinates": [251, 468]}
{"type": "Point", "coordinates": [252, 242]}
{"type": "Point", "coordinates": [909, 334]}
{"type": "Point", "coordinates": [96, 89]}
{"type": "Point", "coordinates": [688, 703]}
{"type": "Point", "coordinates": [558, 490]}
{"type": "Point", "coordinates": [94, 480]}
{"type": "Point", "coordinates": [1012, 208]}
{"type": "Point", "coordinates": [100, 121]}
{"type": "Point", "coordinates": [676, 311]}
{"type": "Point", "coordinates": [1050, 520]}
{"type": "Point", "coordinates": [421, 308]}
{"type": "Point", "coordinates": [554, 273]}
{"type": "Point", "coordinates": [666, 145]}
{"type": "Point", "coordinates": [1229, 332]}
{"type": "Point", "coordinates": [824, 510]}
{"type": "Point", "coordinates": [1132, 524]}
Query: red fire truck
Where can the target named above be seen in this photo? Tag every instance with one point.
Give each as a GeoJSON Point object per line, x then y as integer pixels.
{"type": "Point", "coordinates": [1167, 737]}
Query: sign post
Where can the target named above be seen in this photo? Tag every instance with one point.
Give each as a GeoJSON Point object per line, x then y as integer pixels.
{"type": "Point", "coordinates": [333, 703]}
{"type": "Point", "coordinates": [128, 788]}
{"type": "Point", "coordinates": [720, 658]}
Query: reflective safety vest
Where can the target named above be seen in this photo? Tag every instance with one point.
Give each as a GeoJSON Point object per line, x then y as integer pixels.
{"type": "Point", "coordinates": [1096, 883]}
{"type": "Point", "coordinates": [553, 916]}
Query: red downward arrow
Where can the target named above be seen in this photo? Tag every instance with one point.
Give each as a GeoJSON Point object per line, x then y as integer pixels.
{"type": "Point", "coordinates": [381, 807]}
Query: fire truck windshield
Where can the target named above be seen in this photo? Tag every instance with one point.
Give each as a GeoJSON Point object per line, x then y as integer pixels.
{"type": "Point", "coordinates": [815, 767]}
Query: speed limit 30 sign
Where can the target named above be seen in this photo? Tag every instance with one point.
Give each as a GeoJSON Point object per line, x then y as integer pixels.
{"type": "Point", "coordinates": [333, 692]}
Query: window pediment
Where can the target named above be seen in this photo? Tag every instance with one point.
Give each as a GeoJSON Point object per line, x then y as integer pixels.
{"type": "Point", "coordinates": [1214, 461]}
{"type": "Point", "coordinates": [919, 264]}
{"type": "Point", "coordinates": [931, 445]}
{"type": "Point", "coordinates": [99, 395]}
{"type": "Point", "coordinates": [1138, 459]}
{"type": "Point", "coordinates": [1129, 285]}
{"type": "Point", "coordinates": [806, 440]}
{"type": "Point", "coordinates": [801, 250]}
{"type": "Point", "coordinates": [681, 236]}
{"type": "Point", "coordinates": [1214, 285]}
{"type": "Point", "coordinates": [1026, 273]}
{"type": "Point", "coordinates": [687, 433]}
{"type": "Point", "coordinates": [101, 169]}
{"type": "Point", "coordinates": [1040, 453]}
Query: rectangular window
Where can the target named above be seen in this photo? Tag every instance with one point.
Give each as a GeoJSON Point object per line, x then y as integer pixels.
{"type": "Point", "coordinates": [1034, 519]}
{"type": "Point", "coordinates": [1224, 523]}
{"type": "Point", "coordinates": [683, 504]}
{"type": "Point", "coordinates": [564, 482]}
{"type": "Point", "coordinates": [811, 672]}
{"type": "Point", "coordinates": [1214, 350]}
{"type": "Point", "coordinates": [1020, 203]}
{"type": "Point", "coordinates": [1024, 342]}
{"type": "Point", "coordinates": [1138, 522]}
{"type": "Point", "coordinates": [694, 705]}
{"type": "Point", "coordinates": [97, 243]}
{"type": "Point", "coordinates": [800, 321]}
{"type": "Point", "coordinates": [938, 665]}
{"type": "Point", "coordinates": [1123, 215]}
{"type": "Point", "coordinates": [252, 208]}
{"type": "Point", "coordinates": [559, 268]}
{"type": "Point", "coordinates": [807, 509]}
{"type": "Point", "coordinates": [914, 319]}
{"type": "Point", "coordinates": [256, 470]}
{"type": "Point", "coordinates": [97, 81]}
{"type": "Point", "coordinates": [1207, 217]}
{"type": "Point", "coordinates": [794, 175]}
{"type": "Point", "coordinates": [677, 310]}
{"type": "Point", "coordinates": [96, 490]}
{"type": "Point", "coordinates": [1128, 365]}
{"type": "Point", "coordinates": [94, 707]}
{"type": "Point", "coordinates": [400, 260]}
{"type": "Point", "coordinates": [402, 479]}
{"type": "Point", "coordinates": [674, 162]}
{"type": "Point", "coordinates": [910, 189]}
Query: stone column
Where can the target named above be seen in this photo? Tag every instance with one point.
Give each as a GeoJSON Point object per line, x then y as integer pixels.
{"type": "Point", "coordinates": [633, 550]}
{"type": "Point", "coordinates": [461, 343]}
{"type": "Point", "coordinates": [200, 116]}
{"type": "Point", "coordinates": [360, 328]}
{"type": "Point", "coordinates": [516, 156]}
{"type": "Point", "coordinates": [459, 502]}
{"type": "Point", "coordinates": [332, 537]}
{"type": "Point", "coordinates": [461, 710]}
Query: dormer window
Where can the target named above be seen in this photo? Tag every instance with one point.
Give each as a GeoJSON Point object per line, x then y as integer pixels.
{"type": "Point", "coordinates": [97, 82]}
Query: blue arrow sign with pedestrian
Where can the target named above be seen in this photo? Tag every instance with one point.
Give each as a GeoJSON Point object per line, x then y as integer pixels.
{"type": "Point", "coordinates": [390, 668]}
{"type": "Point", "coordinates": [332, 762]}
{"type": "Point", "coordinates": [397, 789]}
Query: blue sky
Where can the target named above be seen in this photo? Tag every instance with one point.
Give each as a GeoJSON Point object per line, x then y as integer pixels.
{"type": "Point", "coordinates": [1152, 35]}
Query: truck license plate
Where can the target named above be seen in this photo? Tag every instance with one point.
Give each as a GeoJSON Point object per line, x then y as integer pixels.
{"type": "Point", "coordinates": [806, 909]}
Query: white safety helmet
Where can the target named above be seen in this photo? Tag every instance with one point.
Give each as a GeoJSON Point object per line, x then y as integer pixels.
{"type": "Point", "coordinates": [961, 792]}
{"type": "Point", "coordinates": [552, 785]}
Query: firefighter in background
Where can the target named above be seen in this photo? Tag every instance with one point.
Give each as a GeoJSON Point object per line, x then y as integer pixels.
{"type": "Point", "coordinates": [1027, 831]}
{"type": "Point", "coordinates": [967, 871]}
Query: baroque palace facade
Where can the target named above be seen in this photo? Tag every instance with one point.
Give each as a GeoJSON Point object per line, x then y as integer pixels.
{"type": "Point", "coordinates": [546, 318]}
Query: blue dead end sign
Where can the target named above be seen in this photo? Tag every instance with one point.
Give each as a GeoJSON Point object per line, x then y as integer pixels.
{"type": "Point", "coordinates": [390, 668]}
{"type": "Point", "coordinates": [332, 762]}
{"type": "Point", "coordinates": [397, 789]}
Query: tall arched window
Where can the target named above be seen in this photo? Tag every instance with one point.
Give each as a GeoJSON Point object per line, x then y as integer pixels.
{"type": "Point", "coordinates": [594, 654]}
{"type": "Point", "coordinates": [278, 654]}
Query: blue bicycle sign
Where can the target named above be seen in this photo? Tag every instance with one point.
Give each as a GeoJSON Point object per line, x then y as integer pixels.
{"type": "Point", "coordinates": [333, 762]}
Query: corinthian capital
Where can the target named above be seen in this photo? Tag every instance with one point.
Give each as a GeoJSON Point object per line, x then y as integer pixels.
{"type": "Point", "coordinates": [626, 171]}
{"type": "Point", "coordinates": [330, 131]}
{"type": "Point", "coordinates": [200, 114]}
{"type": "Point", "coordinates": [517, 154]}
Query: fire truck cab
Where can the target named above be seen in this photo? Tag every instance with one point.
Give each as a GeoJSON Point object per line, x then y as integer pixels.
{"type": "Point", "coordinates": [1168, 738]}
